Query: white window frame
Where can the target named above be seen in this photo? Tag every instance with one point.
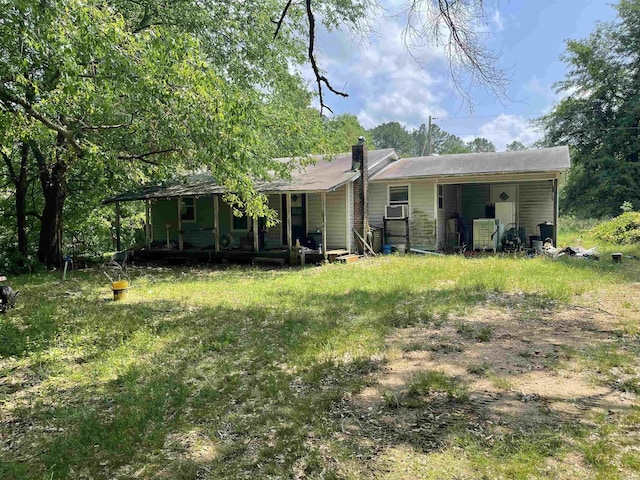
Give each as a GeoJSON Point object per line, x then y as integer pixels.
{"type": "Point", "coordinates": [185, 207]}
{"type": "Point", "coordinates": [407, 203]}
{"type": "Point", "coordinates": [440, 196]}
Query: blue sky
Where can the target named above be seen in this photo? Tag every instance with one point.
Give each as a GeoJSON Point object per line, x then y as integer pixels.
{"type": "Point", "coordinates": [386, 84]}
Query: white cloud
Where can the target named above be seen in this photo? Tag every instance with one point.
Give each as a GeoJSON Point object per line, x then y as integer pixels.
{"type": "Point", "coordinates": [504, 129]}
{"type": "Point", "coordinates": [385, 83]}
{"type": "Point", "coordinates": [498, 21]}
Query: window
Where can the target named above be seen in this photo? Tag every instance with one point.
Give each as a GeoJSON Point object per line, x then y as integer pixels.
{"type": "Point", "coordinates": [188, 210]}
{"type": "Point", "coordinates": [239, 223]}
{"type": "Point", "coordinates": [440, 197]}
{"type": "Point", "coordinates": [399, 195]}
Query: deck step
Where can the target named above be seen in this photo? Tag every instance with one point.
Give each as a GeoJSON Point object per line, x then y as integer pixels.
{"type": "Point", "coordinates": [349, 258]}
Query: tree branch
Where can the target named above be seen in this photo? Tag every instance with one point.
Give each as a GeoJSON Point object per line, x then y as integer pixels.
{"type": "Point", "coordinates": [30, 111]}
{"type": "Point", "coordinates": [143, 156]}
{"type": "Point", "coordinates": [320, 79]}
{"type": "Point", "coordinates": [282, 17]}
{"type": "Point", "coordinates": [12, 172]}
{"type": "Point", "coordinates": [106, 127]}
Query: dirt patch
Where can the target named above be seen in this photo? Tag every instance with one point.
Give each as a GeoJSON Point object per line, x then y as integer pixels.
{"type": "Point", "coordinates": [523, 366]}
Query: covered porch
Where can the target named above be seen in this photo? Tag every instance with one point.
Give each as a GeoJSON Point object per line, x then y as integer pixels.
{"type": "Point", "coordinates": [192, 227]}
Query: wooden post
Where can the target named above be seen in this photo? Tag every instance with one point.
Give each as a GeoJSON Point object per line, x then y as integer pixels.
{"type": "Point", "coordinates": [408, 234]}
{"type": "Point", "coordinates": [216, 223]}
{"type": "Point", "coordinates": [289, 228]}
{"type": "Point", "coordinates": [324, 225]}
{"type": "Point", "coordinates": [256, 243]}
{"type": "Point", "coordinates": [118, 242]}
{"type": "Point", "coordinates": [555, 212]}
{"type": "Point", "coordinates": [180, 239]}
{"type": "Point", "coordinates": [147, 227]}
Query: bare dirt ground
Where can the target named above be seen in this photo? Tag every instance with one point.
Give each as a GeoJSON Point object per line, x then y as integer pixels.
{"type": "Point", "coordinates": [528, 367]}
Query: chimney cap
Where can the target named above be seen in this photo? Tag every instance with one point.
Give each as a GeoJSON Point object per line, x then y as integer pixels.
{"type": "Point", "coordinates": [361, 140]}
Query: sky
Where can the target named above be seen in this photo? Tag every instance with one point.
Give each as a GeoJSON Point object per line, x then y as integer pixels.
{"type": "Point", "coordinates": [386, 84]}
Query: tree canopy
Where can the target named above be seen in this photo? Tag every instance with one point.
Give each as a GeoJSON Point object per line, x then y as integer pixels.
{"type": "Point", "coordinates": [98, 95]}
{"type": "Point", "coordinates": [599, 116]}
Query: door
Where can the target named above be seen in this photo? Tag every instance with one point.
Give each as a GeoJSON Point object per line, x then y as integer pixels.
{"type": "Point", "coordinates": [298, 217]}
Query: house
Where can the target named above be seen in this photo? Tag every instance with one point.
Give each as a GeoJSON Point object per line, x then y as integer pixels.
{"type": "Point", "coordinates": [424, 202]}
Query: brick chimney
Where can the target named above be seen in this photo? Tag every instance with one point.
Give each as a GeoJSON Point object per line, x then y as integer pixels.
{"type": "Point", "coordinates": [360, 201]}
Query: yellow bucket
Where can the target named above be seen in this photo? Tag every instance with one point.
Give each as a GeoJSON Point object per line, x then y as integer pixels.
{"type": "Point", "coordinates": [120, 289]}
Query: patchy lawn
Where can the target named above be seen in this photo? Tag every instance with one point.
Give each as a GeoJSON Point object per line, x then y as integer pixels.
{"type": "Point", "coordinates": [396, 367]}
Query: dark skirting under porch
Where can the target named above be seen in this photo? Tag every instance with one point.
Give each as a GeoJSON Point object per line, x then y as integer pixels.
{"type": "Point", "coordinates": [281, 256]}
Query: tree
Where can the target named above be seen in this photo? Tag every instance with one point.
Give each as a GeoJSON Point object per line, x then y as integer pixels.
{"type": "Point", "coordinates": [516, 146]}
{"type": "Point", "coordinates": [105, 93]}
{"type": "Point", "coordinates": [449, 24]}
{"type": "Point", "coordinates": [341, 133]}
{"type": "Point", "coordinates": [599, 117]}
{"type": "Point", "coordinates": [392, 135]}
{"type": "Point", "coordinates": [480, 145]}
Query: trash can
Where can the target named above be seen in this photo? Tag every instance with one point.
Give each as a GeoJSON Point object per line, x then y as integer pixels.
{"type": "Point", "coordinates": [546, 231]}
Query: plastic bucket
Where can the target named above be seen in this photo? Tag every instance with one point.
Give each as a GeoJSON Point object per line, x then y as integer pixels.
{"type": "Point", "coordinates": [536, 245]}
{"type": "Point", "coordinates": [120, 289]}
{"type": "Point", "coordinates": [386, 249]}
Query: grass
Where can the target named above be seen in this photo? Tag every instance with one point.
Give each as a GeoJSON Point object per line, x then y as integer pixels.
{"type": "Point", "coordinates": [245, 372]}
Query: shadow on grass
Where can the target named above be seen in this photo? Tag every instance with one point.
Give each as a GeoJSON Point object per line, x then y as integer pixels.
{"type": "Point", "coordinates": [159, 388]}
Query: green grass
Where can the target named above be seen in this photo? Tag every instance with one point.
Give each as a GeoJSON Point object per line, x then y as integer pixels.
{"type": "Point", "coordinates": [245, 372]}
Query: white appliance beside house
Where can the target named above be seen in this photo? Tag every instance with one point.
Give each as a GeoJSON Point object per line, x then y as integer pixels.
{"type": "Point", "coordinates": [505, 212]}
{"type": "Point", "coordinates": [485, 236]}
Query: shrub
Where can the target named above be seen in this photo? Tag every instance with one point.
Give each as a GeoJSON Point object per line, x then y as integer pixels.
{"type": "Point", "coordinates": [623, 229]}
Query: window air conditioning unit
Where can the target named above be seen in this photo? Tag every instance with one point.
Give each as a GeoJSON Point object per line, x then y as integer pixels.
{"type": "Point", "coordinates": [396, 211]}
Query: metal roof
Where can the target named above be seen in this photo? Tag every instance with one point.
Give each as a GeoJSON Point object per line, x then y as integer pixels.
{"type": "Point", "coordinates": [326, 174]}
{"type": "Point", "coordinates": [555, 159]}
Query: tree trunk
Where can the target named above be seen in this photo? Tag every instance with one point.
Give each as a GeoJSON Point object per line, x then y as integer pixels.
{"type": "Point", "coordinates": [21, 201]}
{"type": "Point", "coordinates": [54, 189]}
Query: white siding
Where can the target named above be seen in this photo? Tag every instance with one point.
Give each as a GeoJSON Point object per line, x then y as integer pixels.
{"type": "Point", "coordinates": [421, 208]}
{"type": "Point", "coordinates": [535, 205]}
{"type": "Point", "coordinates": [314, 211]}
{"type": "Point", "coordinates": [377, 193]}
{"type": "Point", "coordinates": [350, 236]}
{"type": "Point", "coordinates": [422, 221]}
{"type": "Point", "coordinates": [274, 234]}
{"type": "Point", "coordinates": [337, 219]}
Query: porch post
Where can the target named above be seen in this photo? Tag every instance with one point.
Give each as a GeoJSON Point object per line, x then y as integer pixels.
{"type": "Point", "coordinates": [180, 239]}
{"type": "Point", "coordinates": [118, 242]}
{"type": "Point", "coordinates": [555, 211]}
{"type": "Point", "coordinates": [324, 225]}
{"type": "Point", "coordinates": [256, 244]}
{"type": "Point", "coordinates": [289, 229]}
{"type": "Point", "coordinates": [147, 226]}
{"type": "Point", "coordinates": [216, 223]}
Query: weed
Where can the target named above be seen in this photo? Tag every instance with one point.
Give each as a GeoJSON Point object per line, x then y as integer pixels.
{"type": "Point", "coordinates": [437, 382]}
{"type": "Point", "coordinates": [470, 332]}
{"type": "Point", "coordinates": [501, 382]}
{"type": "Point", "coordinates": [391, 399]}
{"type": "Point", "coordinates": [479, 369]}
{"type": "Point", "coordinates": [630, 385]}
{"type": "Point", "coordinates": [445, 348]}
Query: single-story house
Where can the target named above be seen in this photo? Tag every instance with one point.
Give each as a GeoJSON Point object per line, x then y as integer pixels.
{"type": "Point", "coordinates": [424, 202]}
